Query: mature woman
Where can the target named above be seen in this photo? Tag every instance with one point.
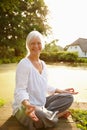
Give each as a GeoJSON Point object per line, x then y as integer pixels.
{"type": "Point", "coordinates": [32, 107]}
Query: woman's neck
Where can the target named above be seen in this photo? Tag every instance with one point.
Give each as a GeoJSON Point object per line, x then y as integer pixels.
{"type": "Point", "coordinates": [36, 62]}
{"type": "Point", "coordinates": [34, 58]}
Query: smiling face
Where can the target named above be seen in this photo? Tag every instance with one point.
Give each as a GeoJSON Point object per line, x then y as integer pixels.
{"type": "Point", "coordinates": [35, 46]}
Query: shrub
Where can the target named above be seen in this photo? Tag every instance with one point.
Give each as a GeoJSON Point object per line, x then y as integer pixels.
{"type": "Point", "coordinates": [2, 102]}
{"type": "Point", "coordinates": [59, 56]}
{"type": "Point", "coordinates": [80, 117]}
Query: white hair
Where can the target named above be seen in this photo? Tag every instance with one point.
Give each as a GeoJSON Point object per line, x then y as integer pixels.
{"type": "Point", "coordinates": [31, 35]}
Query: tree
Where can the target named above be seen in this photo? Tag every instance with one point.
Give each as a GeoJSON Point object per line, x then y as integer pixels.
{"type": "Point", "coordinates": [17, 19]}
{"type": "Point", "coordinates": [52, 47]}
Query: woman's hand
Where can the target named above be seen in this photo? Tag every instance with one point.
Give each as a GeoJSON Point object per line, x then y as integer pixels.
{"type": "Point", "coordinates": [70, 90]}
{"type": "Point", "coordinates": [30, 111]}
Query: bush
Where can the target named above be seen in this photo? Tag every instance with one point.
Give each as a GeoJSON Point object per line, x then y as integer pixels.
{"type": "Point", "coordinates": [2, 102]}
{"type": "Point", "coordinates": [59, 56]}
{"type": "Point", "coordinates": [82, 60]}
{"type": "Point", "coordinates": [71, 57]}
{"type": "Point", "coordinates": [80, 117]}
{"type": "Point", "coordinates": [10, 60]}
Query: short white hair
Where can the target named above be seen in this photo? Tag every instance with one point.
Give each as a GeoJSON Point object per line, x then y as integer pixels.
{"type": "Point", "coordinates": [34, 34]}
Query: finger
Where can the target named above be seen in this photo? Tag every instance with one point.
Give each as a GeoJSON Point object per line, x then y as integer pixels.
{"type": "Point", "coordinates": [35, 119]}
{"type": "Point", "coordinates": [69, 89]}
{"type": "Point", "coordinates": [28, 111]}
{"type": "Point", "coordinates": [33, 116]}
{"type": "Point", "coordinates": [74, 92]}
{"type": "Point", "coordinates": [72, 89]}
{"type": "Point", "coordinates": [31, 106]}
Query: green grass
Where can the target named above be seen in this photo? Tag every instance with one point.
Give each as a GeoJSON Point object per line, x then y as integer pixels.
{"type": "Point", "coordinates": [2, 102]}
{"type": "Point", "coordinates": [80, 117]}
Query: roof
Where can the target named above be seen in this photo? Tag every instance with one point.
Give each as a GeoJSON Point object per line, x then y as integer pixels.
{"type": "Point", "coordinates": [82, 42]}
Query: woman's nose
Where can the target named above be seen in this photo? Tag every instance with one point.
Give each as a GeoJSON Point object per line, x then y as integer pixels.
{"type": "Point", "coordinates": [36, 44]}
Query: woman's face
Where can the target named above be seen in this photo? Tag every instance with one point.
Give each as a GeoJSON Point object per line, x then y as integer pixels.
{"type": "Point", "coordinates": [35, 46]}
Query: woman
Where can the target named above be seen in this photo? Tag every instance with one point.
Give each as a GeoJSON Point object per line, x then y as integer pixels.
{"type": "Point", "coordinates": [31, 105]}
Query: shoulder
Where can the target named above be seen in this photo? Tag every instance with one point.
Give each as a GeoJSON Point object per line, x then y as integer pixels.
{"type": "Point", "coordinates": [23, 69]}
{"type": "Point", "coordinates": [23, 63]}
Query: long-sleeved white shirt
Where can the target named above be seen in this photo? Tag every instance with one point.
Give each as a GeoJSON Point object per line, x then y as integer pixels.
{"type": "Point", "coordinates": [30, 84]}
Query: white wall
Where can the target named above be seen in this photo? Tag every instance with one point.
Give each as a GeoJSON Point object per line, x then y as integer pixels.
{"type": "Point", "coordinates": [77, 49]}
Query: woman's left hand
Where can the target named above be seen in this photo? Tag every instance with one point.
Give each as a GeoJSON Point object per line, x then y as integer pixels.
{"type": "Point", "coordinates": [70, 90]}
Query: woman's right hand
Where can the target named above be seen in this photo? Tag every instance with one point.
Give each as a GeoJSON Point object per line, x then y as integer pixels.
{"type": "Point", "coordinates": [30, 111]}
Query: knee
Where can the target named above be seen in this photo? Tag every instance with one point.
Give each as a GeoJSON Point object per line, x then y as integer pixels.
{"type": "Point", "coordinates": [70, 98]}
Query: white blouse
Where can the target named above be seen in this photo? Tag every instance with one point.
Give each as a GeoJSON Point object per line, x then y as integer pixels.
{"type": "Point", "coordinates": [30, 84]}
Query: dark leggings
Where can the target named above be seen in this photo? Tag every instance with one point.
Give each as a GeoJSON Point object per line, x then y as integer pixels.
{"type": "Point", "coordinates": [60, 102]}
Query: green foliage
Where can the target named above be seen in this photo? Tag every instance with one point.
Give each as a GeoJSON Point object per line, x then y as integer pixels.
{"type": "Point", "coordinates": [53, 53]}
{"type": "Point", "coordinates": [80, 117]}
{"type": "Point", "coordinates": [17, 19]}
{"type": "Point", "coordinates": [70, 56]}
{"type": "Point", "coordinates": [52, 47]}
{"type": "Point", "coordinates": [82, 60]}
{"type": "Point", "coordinates": [2, 102]}
{"type": "Point", "coordinates": [48, 57]}
{"type": "Point", "coordinates": [10, 60]}
{"type": "Point", "coordinates": [59, 56]}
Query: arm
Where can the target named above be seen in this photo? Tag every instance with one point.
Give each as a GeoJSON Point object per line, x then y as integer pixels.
{"type": "Point", "coordinates": [21, 94]}
{"type": "Point", "coordinates": [22, 73]}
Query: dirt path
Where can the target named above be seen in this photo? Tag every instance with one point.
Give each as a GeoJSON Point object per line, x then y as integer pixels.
{"type": "Point", "coordinates": [79, 105]}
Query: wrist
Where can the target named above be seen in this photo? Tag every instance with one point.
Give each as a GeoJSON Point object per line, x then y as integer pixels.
{"type": "Point", "coordinates": [59, 91]}
{"type": "Point", "coordinates": [26, 103]}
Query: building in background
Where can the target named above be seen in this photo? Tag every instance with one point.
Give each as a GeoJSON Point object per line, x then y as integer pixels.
{"type": "Point", "coordinates": [79, 46]}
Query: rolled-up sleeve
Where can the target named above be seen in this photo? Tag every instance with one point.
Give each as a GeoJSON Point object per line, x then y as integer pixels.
{"type": "Point", "coordinates": [22, 74]}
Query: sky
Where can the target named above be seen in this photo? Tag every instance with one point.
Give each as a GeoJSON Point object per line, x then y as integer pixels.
{"type": "Point", "coordinates": [68, 19]}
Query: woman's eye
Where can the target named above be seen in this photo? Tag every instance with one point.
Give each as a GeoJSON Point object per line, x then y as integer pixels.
{"type": "Point", "coordinates": [32, 43]}
{"type": "Point", "coordinates": [39, 43]}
